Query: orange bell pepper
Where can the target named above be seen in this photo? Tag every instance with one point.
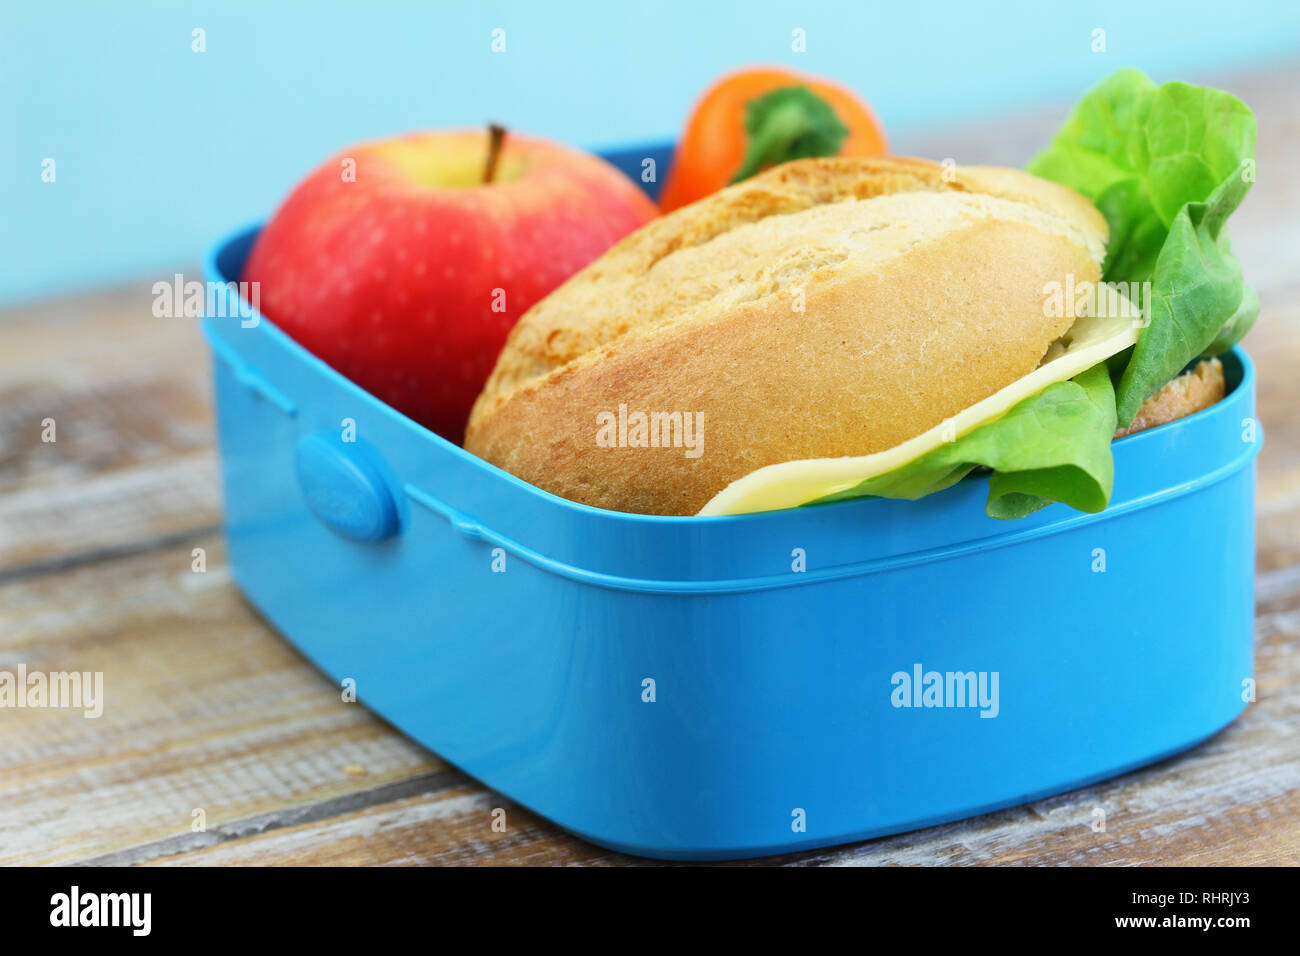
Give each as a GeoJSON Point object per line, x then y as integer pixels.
{"type": "Point", "coordinates": [756, 118]}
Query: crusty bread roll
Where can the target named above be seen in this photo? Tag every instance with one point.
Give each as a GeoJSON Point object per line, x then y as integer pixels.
{"type": "Point", "coordinates": [1196, 389]}
{"type": "Point", "coordinates": [826, 307]}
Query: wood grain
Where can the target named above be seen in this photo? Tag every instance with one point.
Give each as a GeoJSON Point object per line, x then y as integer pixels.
{"type": "Point", "coordinates": [204, 708]}
{"type": "Point", "coordinates": [210, 709]}
{"type": "Point", "coordinates": [132, 462]}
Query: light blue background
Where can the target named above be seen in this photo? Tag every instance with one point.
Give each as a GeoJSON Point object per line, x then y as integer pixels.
{"type": "Point", "coordinates": [159, 149]}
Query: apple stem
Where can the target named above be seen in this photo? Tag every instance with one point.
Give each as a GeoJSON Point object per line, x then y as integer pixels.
{"type": "Point", "coordinates": [496, 138]}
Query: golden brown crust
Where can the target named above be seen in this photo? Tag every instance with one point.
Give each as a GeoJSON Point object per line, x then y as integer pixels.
{"type": "Point", "coordinates": [612, 295]}
{"type": "Point", "coordinates": [825, 308]}
{"type": "Point", "coordinates": [1194, 390]}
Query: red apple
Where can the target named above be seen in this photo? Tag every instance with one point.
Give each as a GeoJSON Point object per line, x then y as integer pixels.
{"type": "Point", "coordinates": [400, 266]}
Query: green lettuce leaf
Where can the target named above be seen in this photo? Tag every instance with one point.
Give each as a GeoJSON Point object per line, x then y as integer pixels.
{"type": "Point", "coordinates": [1196, 290]}
{"type": "Point", "coordinates": [1053, 446]}
{"type": "Point", "coordinates": [1237, 326]}
{"type": "Point", "coordinates": [1166, 166]}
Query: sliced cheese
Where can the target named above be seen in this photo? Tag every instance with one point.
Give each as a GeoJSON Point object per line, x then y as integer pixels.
{"type": "Point", "coordinates": [1091, 340]}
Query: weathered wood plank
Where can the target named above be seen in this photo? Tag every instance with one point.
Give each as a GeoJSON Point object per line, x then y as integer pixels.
{"type": "Point", "coordinates": [112, 513]}
{"type": "Point", "coordinates": [204, 708]}
{"type": "Point", "coordinates": [132, 459]}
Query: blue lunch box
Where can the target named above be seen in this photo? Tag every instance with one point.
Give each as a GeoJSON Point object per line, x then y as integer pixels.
{"type": "Point", "coordinates": [717, 688]}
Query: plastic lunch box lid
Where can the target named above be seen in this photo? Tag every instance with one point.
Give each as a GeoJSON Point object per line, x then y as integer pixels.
{"type": "Point", "coordinates": [731, 554]}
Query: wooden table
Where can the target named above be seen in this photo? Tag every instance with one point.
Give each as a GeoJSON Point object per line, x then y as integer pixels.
{"type": "Point", "coordinates": [207, 709]}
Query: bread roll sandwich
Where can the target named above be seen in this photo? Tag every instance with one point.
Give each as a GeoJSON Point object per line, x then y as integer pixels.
{"type": "Point", "coordinates": [831, 328]}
